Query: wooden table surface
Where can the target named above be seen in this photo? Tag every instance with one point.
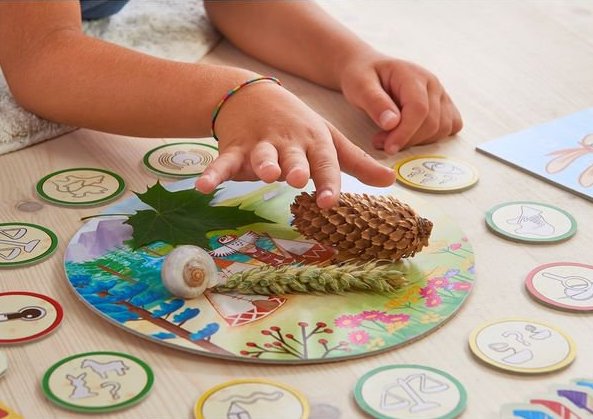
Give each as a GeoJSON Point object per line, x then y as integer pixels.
{"type": "Point", "coordinates": [508, 65]}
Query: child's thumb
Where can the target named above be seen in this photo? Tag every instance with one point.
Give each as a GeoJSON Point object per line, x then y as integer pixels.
{"type": "Point", "coordinates": [378, 106]}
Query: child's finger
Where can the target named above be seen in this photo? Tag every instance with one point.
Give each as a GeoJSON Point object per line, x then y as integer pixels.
{"type": "Point", "coordinates": [372, 98]}
{"type": "Point", "coordinates": [264, 162]}
{"type": "Point", "coordinates": [295, 167]}
{"type": "Point", "coordinates": [325, 170]}
{"type": "Point", "coordinates": [223, 168]}
{"type": "Point", "coordinates": [415, 109]}
{"type": "Point", "coordinates": [359, 164]}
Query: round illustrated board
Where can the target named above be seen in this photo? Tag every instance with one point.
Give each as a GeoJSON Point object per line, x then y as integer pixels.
{"type": "Point", "coordinates": [410, 391]}
{"type": "Point", "coordinates": [523, 346]}
{"type": "Point", "coordinates": [124, 286]}
{"type": "Point", "coordinates": [97, 382]}
{"type": "Point", "coordinates": [180, 159]}
{"type": "Point", "coordinates": [27, 316]}
{"type": "Point", "coordinates": [252, 398]}
{"type": "Point", "coordinates": [433, 173]}
{"type": "Point", "coordinates": [23, 244]}
{"type": "Point", "coordinates": [531, 222]}
{"type": "Point", "coordinates": [80, 187]}
{"type": "Point", "coordinates": [564, 285]}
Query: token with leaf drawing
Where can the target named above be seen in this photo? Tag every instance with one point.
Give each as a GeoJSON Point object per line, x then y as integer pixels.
{"type": "Point", "coordinates": [115, 261]}
{"type": "Point", "coordinates": [80, 187]}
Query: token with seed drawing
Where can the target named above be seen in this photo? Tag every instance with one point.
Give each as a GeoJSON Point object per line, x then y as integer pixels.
{"type": "Point", "coordinates": [24, 244]}
{"type": "Point", "coordinates": [180, 160]}
{"type": "Point", "coordinates": [434, 173]}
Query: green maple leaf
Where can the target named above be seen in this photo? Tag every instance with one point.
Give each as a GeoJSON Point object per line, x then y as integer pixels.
{"type": "Point", "coordinates": [183, 217]}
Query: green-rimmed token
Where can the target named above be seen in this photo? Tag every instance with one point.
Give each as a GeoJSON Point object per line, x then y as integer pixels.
{"type": "Point", "coordinates": [531, 222]}
{"type": "Point", "coordinates": [252, 398]}
{"type": "Point", "coordinates": [522, 346]}
{"type": "Point", "coordinates": [181, 159]}
{"type": "Point", "coordinates": [24, 244]}
{"type": "Point", "coordinates": [410, 391]}
{"type": "Point", "coordinates": [80, 187]}
{"type": "Point", "coordinates": [434, 173]}
{"type": "Point", "coordinates": [3, 363]}
{"type": "Point", "coordinates": [97, 382]}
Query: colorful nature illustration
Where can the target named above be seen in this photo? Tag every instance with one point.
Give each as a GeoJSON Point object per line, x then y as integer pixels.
{"type": "Point", "coordinates": [117, 274]}
{"type": "Point", "coordinates": [565, 157]}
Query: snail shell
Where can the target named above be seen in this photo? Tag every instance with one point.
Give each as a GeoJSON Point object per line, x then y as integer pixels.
{"type": "Point", "coordinates": [188, 271]}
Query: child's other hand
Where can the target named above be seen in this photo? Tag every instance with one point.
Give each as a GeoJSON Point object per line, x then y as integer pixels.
{"type": "Point", "coordinates": [267, 133]}
{"type": "Point", "coordinates": [406, 101]}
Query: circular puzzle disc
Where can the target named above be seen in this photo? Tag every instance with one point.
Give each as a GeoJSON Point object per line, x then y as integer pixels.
{"type": "Point", "coordinates": [522, 346]}
{"type": "Point", "coordinates": [410, 391]}
{"type": "Point", "coordinates": [124, 285]}
{"type": "Point", "coordinates": [97, 382]}
{"type": "Point", "coordinates": [563, 285]}
{"type": "Point", "coordinates": [531, 222]}
{"type": "Point", "coordinates": [252, 398]}
{"type": "Point", "coordinates": [80, 187]}
{"type": "Point", "coordinates": [26, 316]}
{"type": "Point", "coordinates": [24, 244]}
{"type": "Point", "coordinates": [432, 173]}
{"type": "Point", "coordinates": [181, 159]}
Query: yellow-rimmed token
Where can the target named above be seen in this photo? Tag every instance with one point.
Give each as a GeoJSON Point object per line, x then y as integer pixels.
{"type": "Point", "coordinates": [7, 413]}
{"type": "Point", "coordinates": [252, 398]}
{"type": "Point", "coordinates": [522, 346]}
{"type": "Point", "coordinates": [435, 173]}
{"type": "Point", "coordinates": [181, 159]}
{"type": "Point", "coordinates": [80, 187]}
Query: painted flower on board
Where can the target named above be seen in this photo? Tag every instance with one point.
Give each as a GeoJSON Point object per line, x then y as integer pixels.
{"type": "Point", "coordinates": [348, 321]}
{"type": "Point", "coordinates": [433, 301]}
{"type": "Point", "coordinates": [430, 318]}
{"type": "Point", "coordinates": [358, 337]}
{"type": "Point", "coordinates": [375, 344]}
{"type": "Point", "coordinates": [437, 282]}
{"type": "Point", "coordinates": [394, 318]}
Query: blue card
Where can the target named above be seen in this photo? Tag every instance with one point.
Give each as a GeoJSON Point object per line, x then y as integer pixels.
{"type": "Point", "coordinates": [560, 151]}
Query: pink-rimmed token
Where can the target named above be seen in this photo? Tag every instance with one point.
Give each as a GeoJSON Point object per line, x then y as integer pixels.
{"type": "Point", "coordinates": [563, 285]}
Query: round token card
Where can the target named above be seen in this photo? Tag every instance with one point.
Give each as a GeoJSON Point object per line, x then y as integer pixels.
{"type": "Point", "coordinates": [410, 391]}
{"type": "Point", "coordinates": [436, 174]}
{"type": "Point", "coordinates": [97, 382]}
{"type": "Point", "coordinates": [564, 285]}
{"type": "Point", "coordinates": [3, 363]}
{"type": "Point", "coordinates": [180, 159]}
{"type": "Point", "coordinates": [80, 187]}
{"type": "Point", "coordinates": [26, 316]}
{"type": "Point", "coordinates": [24, 244]}
{"type": "Point", "coordinates": [531, 222]}
{"type": "Point", "coordinates": [252, 398]}
{"type": "Point", "coordinates": [522, 346]}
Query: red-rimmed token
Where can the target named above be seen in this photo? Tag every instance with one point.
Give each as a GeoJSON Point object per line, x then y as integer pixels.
{"type": "Point", "coordinates": [564, 285]}
{"type": "Point", "coordinates": [26, 316]}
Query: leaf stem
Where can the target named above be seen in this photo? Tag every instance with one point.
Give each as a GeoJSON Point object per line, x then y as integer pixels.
{"type": "Point", "coordinates": [105, 215]}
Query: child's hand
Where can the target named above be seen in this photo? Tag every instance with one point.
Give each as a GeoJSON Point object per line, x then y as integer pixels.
{"type": "Point", "coordinates": [267, 133]}
{"type": "Point", "coordinates": [406, 101]}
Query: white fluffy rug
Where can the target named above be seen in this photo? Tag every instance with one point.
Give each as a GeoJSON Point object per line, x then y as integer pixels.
{"type": "Point", "coordinates": [173, 29]}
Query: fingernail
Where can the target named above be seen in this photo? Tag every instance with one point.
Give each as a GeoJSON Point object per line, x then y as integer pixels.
{"type": "Point", "coordinates": [325, 194]}
{"type": "Point", "coordinates": [392, 149]}
{"type": "Point", "coordinates": [265, 164]}
{"type": "Point", "coordinates": [388, 119]}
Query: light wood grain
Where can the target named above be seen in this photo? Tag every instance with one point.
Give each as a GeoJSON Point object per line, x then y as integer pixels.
{"type": "Point", "coordinates": [508, 65]}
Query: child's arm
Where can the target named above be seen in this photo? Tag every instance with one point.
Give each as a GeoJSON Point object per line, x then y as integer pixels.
{"type": "Point", "coordinates": [265, 132]}
{"type": "Point", "coordinates": [406, 101]}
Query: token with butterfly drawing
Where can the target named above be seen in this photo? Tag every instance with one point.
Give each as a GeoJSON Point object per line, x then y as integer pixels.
{"type": "Point", "coordinates": [410, 391]}
{"type": "Point", "coordinates": [80, 187]}
{"type": "Point", "coordinates": [252, 398]}
{"type": "Point", "coordinates": [181, 160]}
{"type": "Point", "coordinates": [531, 222]}
{"type": "Point", "coordinates": [24, 244]}
{"type": "Point", "coordinates": [434, 173]}
{"type": "Point", "coordinates": [97, 382]}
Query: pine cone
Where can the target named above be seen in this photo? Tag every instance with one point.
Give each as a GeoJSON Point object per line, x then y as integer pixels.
{"type": "Point", "coordinates": [363, 227]}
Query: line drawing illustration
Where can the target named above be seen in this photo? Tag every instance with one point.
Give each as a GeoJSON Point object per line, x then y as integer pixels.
{"type": "Point", "coordinates": [236, 411]}
{"type": "Point", "coordinates": [531, 221]}
{"type": "Point", "coordinates": [536, 334]}
{"type": "Point", "coordinates": [28, 313]}
{"type": "Point", "coordinates": [414, 402]}
{"type": "Point", "coordinates": [81, 389]}
{"type": "Point", "coordinates": [114, 388]}
{"type": "Point", "coordinates": [103, 369]}
{"type": "Point", "coordinates": [180, 159]}
{"type": "Point", "coordinates": [516, 357]}
{"type": "Point", "coordinates": [14, 247]}
{"type": "Point", "coordinates": [80, 186]}
{"type": "Point", "coordinates": [576, 287]}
